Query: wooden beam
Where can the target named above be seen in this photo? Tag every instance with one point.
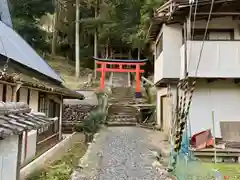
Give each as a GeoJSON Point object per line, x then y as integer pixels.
{"type": "Point", "coordinates": [123, 63]}
{"type": "Point", "coordinates": [118, 70]}
{"type": "Point", "coordinates": [218, 13]}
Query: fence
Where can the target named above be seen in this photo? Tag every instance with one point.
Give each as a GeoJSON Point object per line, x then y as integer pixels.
{"type": "Point", "coordinates": [47, 136]}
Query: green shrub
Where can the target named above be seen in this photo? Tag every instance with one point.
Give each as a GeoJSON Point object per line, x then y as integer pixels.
{"type": "Point", "coordinates": [78, 127]}
{"type": "Point", "coordinates": [92, 123]}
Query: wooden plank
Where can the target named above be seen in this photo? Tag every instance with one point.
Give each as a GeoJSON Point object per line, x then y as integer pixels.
{"type": "Point", "coordinates": [227, 150]}
{"type": "Point", "coordinates": [218, 154]}
{"type": "Point", "coordinates": [230, 131]}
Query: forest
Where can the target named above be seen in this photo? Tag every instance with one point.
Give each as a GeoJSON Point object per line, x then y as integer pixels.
{"type": "Point", "coordinates": [115, 23]}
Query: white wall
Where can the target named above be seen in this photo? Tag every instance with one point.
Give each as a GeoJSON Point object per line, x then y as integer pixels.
{"type": "Point", "coordinates": [31, 146]}
{"type": "Point", "coordinates": [23, 95]}
{"type": "Point", "coordinates": [33, 100]}
{"type": "Point", "coordinates": [218, 59]}
{"type": "Point", "coordinates": [221, 96]}
{"type": "Point", "coordinates": [168, 64]}
{"type": "Point", "coordinates": [9, 93]}
{"type": "Point", "coordinates": [158, 68]}
{"type": "Point", "coordinates": [220, 53]}
{"type": "Point", "coordinates": [8, 158]}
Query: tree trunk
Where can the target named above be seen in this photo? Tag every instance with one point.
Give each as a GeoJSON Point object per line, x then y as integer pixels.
{"type": "Point", "coordinates": [54, 33]}
{"type": "Point", "coordinates": [96, 41]}
{"type": "Point", "coordinates": [139, 53]}
{"type": "Point", "coordinates": [77, 46]}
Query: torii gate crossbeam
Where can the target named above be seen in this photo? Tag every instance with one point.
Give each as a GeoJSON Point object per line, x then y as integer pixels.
{"type": "Point", "coordinates": [119, 65]}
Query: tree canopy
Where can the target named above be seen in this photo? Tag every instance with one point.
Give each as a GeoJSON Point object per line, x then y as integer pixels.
{"type": "Point", "coordinates": [119, 22]}
{"type": "Point", "coordinates": [25, 15]}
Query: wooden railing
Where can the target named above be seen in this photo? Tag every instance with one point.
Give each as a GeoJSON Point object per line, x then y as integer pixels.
{"type": "Point", "coordinates": [47, 136]}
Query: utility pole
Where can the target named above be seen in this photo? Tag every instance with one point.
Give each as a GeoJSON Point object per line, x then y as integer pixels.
{"type": "Point", "coordinates": [77, 46]}
{"type": "Point", "coordinates": [54, 33]}
{"type": "Point", "coordinates": [96, 41]}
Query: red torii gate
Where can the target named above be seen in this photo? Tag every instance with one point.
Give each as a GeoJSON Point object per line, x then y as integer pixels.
{"type": "Point", "coordinates": [118, 66]}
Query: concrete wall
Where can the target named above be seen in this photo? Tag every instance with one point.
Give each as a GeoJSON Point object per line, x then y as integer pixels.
{"type": "Point", "coordinates": [49, 156]}
{"type": "Point", "coordinates": [222, 97]}
{"type": "Point", "coordinates": [23, 95]}
{"type": "Point", "coordinates": [8, 158]}
{"type": "Point", "coordinates": [34, 100]}
{"type": "Point", "coordinates": [30, 148]}
{"type": "Point", "coordinates": [167, 65]}
{"type": "Point", "coordinates": [224, 55]}
{"type": "Point", "coordinates": [219, 59]}
{"type": "Point", "coordinates": [9, 93]}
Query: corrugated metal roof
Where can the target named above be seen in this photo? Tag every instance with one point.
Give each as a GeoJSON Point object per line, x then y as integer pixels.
{"type": "Point", "coordinates": [5, 14]}
{"type": "Point", "coordinates": [12, 45]}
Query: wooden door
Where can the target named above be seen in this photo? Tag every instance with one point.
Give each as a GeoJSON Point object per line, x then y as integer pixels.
{"type": "Point", "coordinates": [166, 118]}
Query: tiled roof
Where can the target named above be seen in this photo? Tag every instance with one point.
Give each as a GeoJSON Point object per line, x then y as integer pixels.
{"type": "Point", "coordinates": [17, 117]}
{"type": "Point", "coordinates": [12, 76]}
{"type": "Point", "coordinates": [14, 47]}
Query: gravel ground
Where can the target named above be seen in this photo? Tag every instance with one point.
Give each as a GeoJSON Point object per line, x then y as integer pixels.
{"type": "Point", "coordinates": [127, 155]}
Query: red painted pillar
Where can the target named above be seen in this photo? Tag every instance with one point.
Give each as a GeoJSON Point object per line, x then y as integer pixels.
{"type": "Point", "coordinates": [102, 75]}
{"type": "Point", "coordinates": [138, 85]}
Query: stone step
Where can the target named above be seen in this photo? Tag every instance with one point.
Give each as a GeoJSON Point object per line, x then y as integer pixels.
{"type": "Point", "coordinates": [122, 119]}
{"type": "Point", "coordinates": [121, 123]}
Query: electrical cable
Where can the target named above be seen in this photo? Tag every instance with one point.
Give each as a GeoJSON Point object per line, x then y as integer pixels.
{"type": "Point", "coordinates": [204, 37]}
{"type": "Point", "coordinates": [185, 111]}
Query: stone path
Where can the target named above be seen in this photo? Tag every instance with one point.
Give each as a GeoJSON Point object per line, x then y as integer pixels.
{"type": "Point", "coordinates": [126, 153]}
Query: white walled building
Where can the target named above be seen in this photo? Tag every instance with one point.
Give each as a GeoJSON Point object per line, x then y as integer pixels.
{"type": "Point", "coordinates": [29, 79]}
{"type": "Point", "coordinates": [218, 73]}
{"type": "Point", "coordinates": [16, 119]}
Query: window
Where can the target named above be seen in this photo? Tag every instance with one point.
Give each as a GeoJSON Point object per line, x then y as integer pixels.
{"type": "Point", "coordinates": [43, 103]}
{"type": "Point", "coordinates": [214, 34]}
{"type": "Point", "coordinates": [159, 46]}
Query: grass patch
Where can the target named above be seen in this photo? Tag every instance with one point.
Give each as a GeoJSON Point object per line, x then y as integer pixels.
{"type": "Point", "coordinates": [62, 168]}
{"type": "Point", "coordinates": [232, 171]}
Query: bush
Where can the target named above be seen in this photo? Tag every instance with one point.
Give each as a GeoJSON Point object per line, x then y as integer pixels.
{"type": "Point", "coordinates": [92, 123]}
{"type": "Point", "coordinates": [78, 127]}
